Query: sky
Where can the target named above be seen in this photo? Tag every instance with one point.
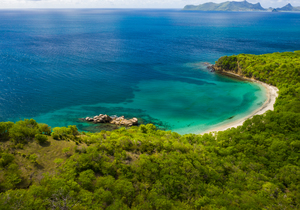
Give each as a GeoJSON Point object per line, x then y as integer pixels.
{"type": "Point", "coordinates": [126, 3]}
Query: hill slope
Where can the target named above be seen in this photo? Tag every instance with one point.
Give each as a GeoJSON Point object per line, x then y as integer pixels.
{"type": "Point", "coordinates": [253, 166]}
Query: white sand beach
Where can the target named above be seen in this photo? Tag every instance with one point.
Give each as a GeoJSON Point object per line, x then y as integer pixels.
{"type": "Point", "coordinates": [272, 94]}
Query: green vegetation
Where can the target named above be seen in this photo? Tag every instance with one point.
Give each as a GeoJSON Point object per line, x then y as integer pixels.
{"type": "Point", "coordinates": [279, 69]}
{"type": "Point", "coordinates": [254, 166]}
{"type": "Point", "coordinates": [41, 138]}
{"type": "Point", "coordinates": [65, 133]}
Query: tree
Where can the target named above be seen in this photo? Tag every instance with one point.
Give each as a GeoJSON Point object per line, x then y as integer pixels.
{"type": "Point", "coordinates": [86, 179]}
{"type": "Point", "coordinates": [6, 159]}
{"type": "Point", "coordinates": [33, 158]}
{"type": "Point", "coordinates": [66, 151]}
{"type": "Point", "coordinates": [23, 131]}
{"type": "Point", "coordinates": [41, 138]}
{"type": "Point", "coordinates": [4, 130]}
{"type": "Point", "coordinates": [45, 129]}
{"type": "Point", "coordinates": [12, 177]}
{"type": "Point", "coordinates": [61, 199]}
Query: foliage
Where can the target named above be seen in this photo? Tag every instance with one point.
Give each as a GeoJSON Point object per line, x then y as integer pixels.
{"type": "Point", "coordinates": [45, 129]}
{"type": "Point", "coordinates": [228, 63]}
{"type": "Point", "coordinates": [64, 133]}
{"type": "Point", "coordinates": [33, 158]}
{"type": "Point", "coordinates": [24, 131]}
{"type": "Point", "coordinates": [6, 159]}
{"type": "Point", "coordinates": [4, 128]}
{"type": "Point", "coordinates": [253, 166]}
{"type": "Point", "coordinates": [279, 69]}
{"type": "Point", "coordinates": [9, 173]}
{"type": "Point", "coordinates": [66, 151]}
{"type": "Point", "coordinates": [41, 138]}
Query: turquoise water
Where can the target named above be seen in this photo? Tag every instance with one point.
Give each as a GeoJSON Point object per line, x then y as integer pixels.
{"type": "Point", "coordinates": [57, 66]}
{"type": "Point", "coordinates": [179, 106]}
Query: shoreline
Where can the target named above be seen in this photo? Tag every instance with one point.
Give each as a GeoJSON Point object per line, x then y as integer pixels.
{"type": "Point", "coordinates": [272, 94]}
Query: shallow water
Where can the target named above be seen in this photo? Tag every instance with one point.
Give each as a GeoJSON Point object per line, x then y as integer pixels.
{"type": "Point", "coordinates": [57, 66]}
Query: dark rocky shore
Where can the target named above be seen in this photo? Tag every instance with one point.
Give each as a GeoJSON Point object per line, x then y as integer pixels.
{"type": "Point", "coordinates": [209, 66]}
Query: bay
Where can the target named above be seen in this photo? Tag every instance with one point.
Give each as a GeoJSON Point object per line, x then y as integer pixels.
{"type": "Point", "coordinates": [57, 66]}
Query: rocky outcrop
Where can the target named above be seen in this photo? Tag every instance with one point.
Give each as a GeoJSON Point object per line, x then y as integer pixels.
{"type": "Point", "coordinates": [230, 73]}
{"type": "Point", "coordinates": [113, 120]}
{"type": "Point", "coordinates": [125, 122]}
{"type": "Point", "coordinates": [237, 73]}
{"type": "Point", "coordinates": [218, 69]}
{"type": "Point", "coordinates": [209, 66]}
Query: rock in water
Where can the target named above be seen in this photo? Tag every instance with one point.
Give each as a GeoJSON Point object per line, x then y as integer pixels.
{"type": "Point", "coordinates": [113, 120]}
{"type": "Point", "coordinates": [134, 121]}
{"type": "Point", "coordinates": [210, 68]}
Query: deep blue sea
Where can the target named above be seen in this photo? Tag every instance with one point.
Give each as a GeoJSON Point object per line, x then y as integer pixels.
{"type": "Point", "coordinates": [57, 66]}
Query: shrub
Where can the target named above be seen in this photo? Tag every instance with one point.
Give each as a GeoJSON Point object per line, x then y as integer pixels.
{"type": "Point", "coordinates": [60, 133]}
{"type": "Point", "coordinates": [4, 128]}
{"type": "Point", "coordinates": [6, 159]}
{"type": "Point", "coordinates": [45, 129]}
{"type": "Point", "coordinates": [41, 138]}
{"type": "Point", "coordinates": [64, 133]}
{"type": "Point", "coordinates": [33, 158]}
{"type": "Point", "coordinates": [72, 130]}
{"type": "Point", "coordinates": [58, 161]}
{"type": "Point", "coordinates": [55, 136]}
{"type": "Point", "coordinates": [86, 179]}
{"type": "Point", "coordinates": [20, 146]}
{"type": "Point", "coordinates": [66, 151]}
{"type": "Point", "coordinates": [23, 131]}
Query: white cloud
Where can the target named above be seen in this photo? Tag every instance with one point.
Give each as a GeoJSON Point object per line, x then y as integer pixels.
{"type": "Point", "coordinates": [125, 3]}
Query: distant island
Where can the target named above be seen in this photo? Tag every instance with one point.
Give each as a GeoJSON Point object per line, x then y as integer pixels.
{"type": "Point", "coordinates": [286, 8]}
{"type": "Point", "coordinates": [238, 6]}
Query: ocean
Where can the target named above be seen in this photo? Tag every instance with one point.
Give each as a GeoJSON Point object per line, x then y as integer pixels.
{"type": "Point", "coordinates": [57, 66]}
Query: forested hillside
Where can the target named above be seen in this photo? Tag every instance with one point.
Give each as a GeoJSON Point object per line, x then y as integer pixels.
{"type": "Point", "coordinates": [254, 166]}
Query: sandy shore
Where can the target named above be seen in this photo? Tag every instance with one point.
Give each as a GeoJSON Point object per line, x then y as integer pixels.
{"type": "Point", "coordinates": [272, 94]}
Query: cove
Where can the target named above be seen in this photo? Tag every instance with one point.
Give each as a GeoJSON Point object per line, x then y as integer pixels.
{"type": "Point", "coordinates": [57, 66]}
{"type": "Point", "coordinates": [186, 105]}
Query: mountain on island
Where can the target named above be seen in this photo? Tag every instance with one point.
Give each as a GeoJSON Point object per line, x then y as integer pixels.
{"type": "Point", "coordinates": [226, 6]}
{"type": "Point", "coordinates": [238, 6]}
{"type": "Point", "coordinates": [287, 8]}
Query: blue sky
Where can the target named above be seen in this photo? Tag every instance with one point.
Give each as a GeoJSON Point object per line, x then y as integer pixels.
{"type": "Point", "coordinates": [126, 3]}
